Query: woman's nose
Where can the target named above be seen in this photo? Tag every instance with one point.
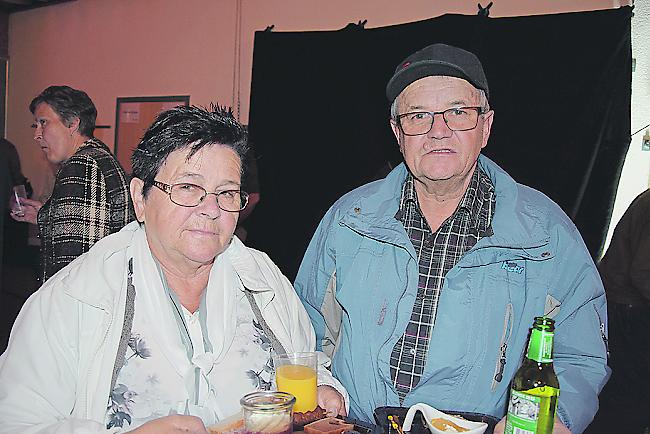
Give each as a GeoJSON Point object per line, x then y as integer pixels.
{"type": "Point", "coordinates": [210, 206]}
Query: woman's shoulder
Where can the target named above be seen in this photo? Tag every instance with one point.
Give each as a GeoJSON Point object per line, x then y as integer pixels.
{"type": "Point", "coordinates": [254, 266]}
{"type": "Point", "coordinates": [92, 152]}
{"type": "Point", "coordinates": [93, 157]}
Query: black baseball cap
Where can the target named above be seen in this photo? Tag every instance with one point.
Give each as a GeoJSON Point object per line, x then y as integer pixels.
{"type": "Point", "coordinates": [437, 59]}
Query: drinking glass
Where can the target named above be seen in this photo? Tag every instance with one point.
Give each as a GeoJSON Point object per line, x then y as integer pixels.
{"type": "Point", "coordinates": [16, 204]}
{"type": "Point", "coordinates": [268, 412]}
{"type": "Point", "coordinates": [295, 373]}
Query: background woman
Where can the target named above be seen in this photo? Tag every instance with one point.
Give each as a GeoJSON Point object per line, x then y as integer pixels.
{"type": "Point", "coordinates": [91, 196]}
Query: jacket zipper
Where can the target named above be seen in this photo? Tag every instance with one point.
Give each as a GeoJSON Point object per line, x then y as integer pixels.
{"type": "Point", "coordinates": [603, 335]}
{"type": "Point", "coordinates": [503, 347]}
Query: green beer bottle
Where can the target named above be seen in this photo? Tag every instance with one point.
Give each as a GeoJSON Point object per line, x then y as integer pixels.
{"type": "Point", "coordinates": [535, 388]}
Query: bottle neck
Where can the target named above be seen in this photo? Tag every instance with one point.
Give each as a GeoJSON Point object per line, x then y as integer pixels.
{"type": "Point", "coordinates": [540, 346]}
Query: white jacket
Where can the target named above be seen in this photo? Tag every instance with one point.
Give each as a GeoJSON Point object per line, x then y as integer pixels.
{"type": "Point", "coordinates": [56, 372]}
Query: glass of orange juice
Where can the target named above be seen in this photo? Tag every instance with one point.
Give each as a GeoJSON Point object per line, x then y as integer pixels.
{"type": "Point", "coordinates": [295, 373]}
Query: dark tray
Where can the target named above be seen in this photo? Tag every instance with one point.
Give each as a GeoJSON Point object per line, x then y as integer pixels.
{"type": "Point", "coordinates": [359, 426]}
{"type": "Point", "coordinates": [419, 426]}
{"type": "Point", "coordinates": [363, 427]}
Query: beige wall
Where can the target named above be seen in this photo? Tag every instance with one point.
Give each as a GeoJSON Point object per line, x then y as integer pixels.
{"type": "Point", "coordinates": [112, 48]}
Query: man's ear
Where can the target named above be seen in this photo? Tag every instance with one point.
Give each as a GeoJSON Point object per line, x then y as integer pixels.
{"type": "Point", "coordinates": [488, 118]}
{"type": "Point", "coordinates": [397, 132]}
{"type": "Point", "coordinates": [137, 197]}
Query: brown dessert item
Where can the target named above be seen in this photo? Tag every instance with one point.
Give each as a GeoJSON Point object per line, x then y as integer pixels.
{"type": "Point", "coordinates": [446, 425]}
{"type": "Point", "coordinates": [329, 425]}
{"type": "Point", "coordinates": [228, 426]}
{"type": "Point", "coordinates": [301, 419]}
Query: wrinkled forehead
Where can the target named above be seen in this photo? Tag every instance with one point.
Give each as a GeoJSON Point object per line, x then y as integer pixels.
{"type": "Point", "coordinates": [439, 90]}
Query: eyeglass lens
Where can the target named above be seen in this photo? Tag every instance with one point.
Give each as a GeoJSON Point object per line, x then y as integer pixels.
{"type": "Point", "coordinates": [192, 195]}
{"type": "Point", "coordinates": [457, 119]}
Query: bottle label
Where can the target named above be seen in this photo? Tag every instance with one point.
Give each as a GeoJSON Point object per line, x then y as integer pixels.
{"type": "Point", "coordinates": [523, 412]}
{"type": "Point", "coordinates": [540, 346]}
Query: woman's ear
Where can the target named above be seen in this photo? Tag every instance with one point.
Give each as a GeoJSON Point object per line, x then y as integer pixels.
{"type": "Point", "coordinates": [137, 197]}
{"type": "Point", "coordinates": [74, 125]}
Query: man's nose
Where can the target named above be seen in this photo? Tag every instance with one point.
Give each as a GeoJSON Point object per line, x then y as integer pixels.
{"type": "Point", "coordinates": [439, 128]}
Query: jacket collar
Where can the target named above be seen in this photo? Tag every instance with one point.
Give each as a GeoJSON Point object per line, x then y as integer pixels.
{"type": "Point", "coordinates": [248, 268]}
{"type": "Point", "coordinates": [98, 277]}
{"type": "Point", "coordinates": [371, 212]}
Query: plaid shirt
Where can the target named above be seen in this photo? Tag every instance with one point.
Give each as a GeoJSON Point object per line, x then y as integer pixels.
{"type": "Point", "coordinates": [90, 200]}
{"type": "Point", "coordinates": [437, 253]}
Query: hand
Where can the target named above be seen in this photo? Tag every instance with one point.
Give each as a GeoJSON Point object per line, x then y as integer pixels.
{"type": "Point", "coordinates": [558, 427]}
{"type": "Point", "coordinates": [331, 401]}
{"type": "Point", "coordinates": [175, 423]}
{"type": "Point", "coordinates": [30, 208]}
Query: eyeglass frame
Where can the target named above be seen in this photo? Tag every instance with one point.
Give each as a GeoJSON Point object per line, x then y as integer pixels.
{"type": "Point", "coordinates": [167, 188]}
{"type": "Point", "coordinates": [479, 111]}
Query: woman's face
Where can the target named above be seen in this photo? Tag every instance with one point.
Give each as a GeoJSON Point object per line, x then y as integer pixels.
{"type": "Point", "coordinates": [52, 135]}
{"type": "Point", "coordinates": [187, 238]}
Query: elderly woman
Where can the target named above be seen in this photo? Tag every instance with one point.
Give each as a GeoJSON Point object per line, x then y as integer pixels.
{"type": "Point", "coordinates": [91, 193]}
{"type": "Point", "coordinates": [170, 321]}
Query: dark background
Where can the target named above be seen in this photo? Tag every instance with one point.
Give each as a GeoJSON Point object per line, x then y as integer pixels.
{"type": "Point", "coordinates": [560, 86]}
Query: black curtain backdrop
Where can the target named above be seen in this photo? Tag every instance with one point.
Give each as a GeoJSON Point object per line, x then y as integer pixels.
{"type": "Point", "coordinates": [560, 87]}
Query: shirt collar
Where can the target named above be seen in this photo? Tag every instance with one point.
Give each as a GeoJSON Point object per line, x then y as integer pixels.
{"type": "Point", "coordinates": [479, 199]}
{"type": "Point", "coordinates": [408, 197]}
{"type": "Point", "coordinates": [477, 202]}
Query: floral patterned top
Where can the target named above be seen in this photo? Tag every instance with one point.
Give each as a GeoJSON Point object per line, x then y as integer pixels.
{"type": "Point", "coordinates": [152, 385]}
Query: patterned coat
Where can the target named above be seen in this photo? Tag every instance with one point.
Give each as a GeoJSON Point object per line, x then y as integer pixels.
{"type": "Point", "coordinates": [90, 200]}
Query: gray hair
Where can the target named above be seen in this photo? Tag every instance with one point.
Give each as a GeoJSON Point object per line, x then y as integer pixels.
{"type": "Point", "coordinates": [482, 98]}
{"type": "Point", "coordinates": [68, 104]}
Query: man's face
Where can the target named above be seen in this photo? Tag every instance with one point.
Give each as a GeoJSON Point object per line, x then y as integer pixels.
{"type": "Point", "coordinates": [53, 136]}
{"type": "Point", "coordinates": [441, 157]}
{"type": "Point", "coordinates": [189, 237]}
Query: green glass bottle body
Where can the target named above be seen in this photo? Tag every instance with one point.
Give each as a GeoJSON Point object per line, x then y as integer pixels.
{"type": "Point", "coordinates": [535, 389]}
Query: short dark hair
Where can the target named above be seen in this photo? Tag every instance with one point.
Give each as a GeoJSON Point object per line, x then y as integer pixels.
{"type": "Point", "coordinates": [186, 127]}
{"type": "Point", "coordinates": [69, 104]}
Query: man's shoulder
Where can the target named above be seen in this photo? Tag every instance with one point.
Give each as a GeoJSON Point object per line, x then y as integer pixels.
{"type": "Point", "coordinates": [641, 203]}
{"type": "Point", "coordinates": [523, 211]}
{"type": "Point", "coordinates": [536, 200]}
{"type": "Point", "coordinates": [518, 198]}
{"type": "Point", "coordinates": [373, 193]}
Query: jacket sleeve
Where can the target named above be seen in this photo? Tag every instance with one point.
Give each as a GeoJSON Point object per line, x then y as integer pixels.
{"type": "Point", "coordinates": [580, 350]}
{"type": "Point", "coordinates": [625, 268]}
{"type": "Point", "coordinates": [300, 330]}
{"type": "Point", "coordinates": [316, 286]}
{"type": "Point", "coordinates": [637, 234]}
{"type": "Point", "coordinates": [38, 371]}
{"type": "Point", "coordinates": [80, 211]}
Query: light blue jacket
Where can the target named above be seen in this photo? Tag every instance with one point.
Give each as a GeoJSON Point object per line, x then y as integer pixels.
{"type": "Point", "coordinates": [535, 263]}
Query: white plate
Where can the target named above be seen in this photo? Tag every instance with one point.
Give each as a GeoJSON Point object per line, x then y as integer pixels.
{"type": "Point", "coordinates": [431, 413]}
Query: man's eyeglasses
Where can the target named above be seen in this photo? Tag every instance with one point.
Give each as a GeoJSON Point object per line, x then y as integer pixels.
{"type": "Point", "coordinates": [457, 119]}
{"type": "Point", "coordinates": [189, 195]}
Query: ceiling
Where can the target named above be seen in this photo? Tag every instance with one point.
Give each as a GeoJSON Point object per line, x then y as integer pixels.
{"type": "Point", "coordinates": [10, 6]}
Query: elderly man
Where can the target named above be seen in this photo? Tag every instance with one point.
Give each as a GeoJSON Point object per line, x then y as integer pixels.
{"type": "Point", "coordinates": [423, 285]}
